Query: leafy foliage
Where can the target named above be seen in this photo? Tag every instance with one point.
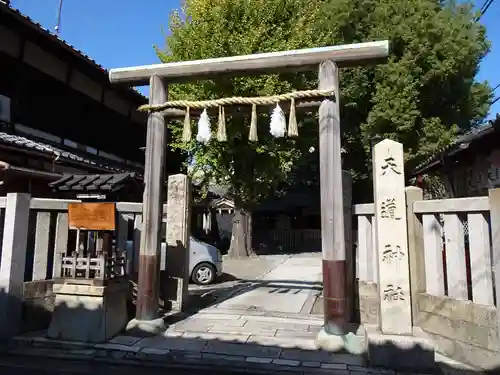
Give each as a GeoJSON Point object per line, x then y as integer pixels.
{"type": "Point", "coordinates": [422, 97]}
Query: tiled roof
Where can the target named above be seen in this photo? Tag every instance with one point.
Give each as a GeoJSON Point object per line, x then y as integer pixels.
{"type": "Point", "coordinates": [78, 53]}
{"type": "Point", "coordinates": [56, 152]}
{"type": "Point", "coordinates": [93, 182]}
{"type": "Point", "coordinates": [454, 147]}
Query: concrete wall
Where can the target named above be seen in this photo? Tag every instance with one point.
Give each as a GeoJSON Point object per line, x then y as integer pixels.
{"type": "Point", "coordinates": [463, 330]}
{"type": "Point", "coordinates": [38, 304]}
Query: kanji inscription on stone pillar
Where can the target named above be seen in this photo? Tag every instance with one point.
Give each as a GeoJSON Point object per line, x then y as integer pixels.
{"type": "Point", "coordinates": [392, 245]}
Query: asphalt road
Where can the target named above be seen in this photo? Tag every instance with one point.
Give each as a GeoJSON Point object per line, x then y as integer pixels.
{"type": "Point", "coordinates": [14, 365]}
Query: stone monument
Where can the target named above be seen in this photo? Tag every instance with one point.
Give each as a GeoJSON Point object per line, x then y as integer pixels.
{"type": "Point", "coordinates": [395, 343]}
{"type": "Point", "coordinates": [391, 239]}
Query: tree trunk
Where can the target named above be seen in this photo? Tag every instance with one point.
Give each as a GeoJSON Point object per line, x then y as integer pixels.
{"type": "Point", "coordinates": [241, 237]}
{"type": "Point", "coordinates": [249, 232]}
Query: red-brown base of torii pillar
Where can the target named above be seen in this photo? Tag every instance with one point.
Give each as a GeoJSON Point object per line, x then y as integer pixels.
{"type": "Point", "coordinates": [334, 296]}
{"type": "Point", "coordinates": [337, 334]}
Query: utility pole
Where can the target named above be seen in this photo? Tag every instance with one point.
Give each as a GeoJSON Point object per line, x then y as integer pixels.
{"type": "Point", "coordinates": [57, 28]}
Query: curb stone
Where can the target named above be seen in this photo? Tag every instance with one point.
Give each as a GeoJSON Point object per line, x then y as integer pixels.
{"type": "Point", "coordinates": [181, 362]}
{"type": "Point", "coordinates": [165, 358]}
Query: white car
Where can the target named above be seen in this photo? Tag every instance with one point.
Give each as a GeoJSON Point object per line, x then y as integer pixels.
{"type": "Point", "coordinates": [205, 261]}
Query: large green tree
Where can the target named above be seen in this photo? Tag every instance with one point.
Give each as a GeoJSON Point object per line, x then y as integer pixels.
{"type": "Point", "coordinates": [422, 97]}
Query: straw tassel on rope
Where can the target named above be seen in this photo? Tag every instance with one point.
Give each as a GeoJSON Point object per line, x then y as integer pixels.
{"type": "Point", "coordinates": [221, 128]}
{"type": "Point", "coordinates": [186, 131]}
{"type": "Point", "coordinates": [293, 130]}
{"type": "Point", "coordinates": [252, 135]}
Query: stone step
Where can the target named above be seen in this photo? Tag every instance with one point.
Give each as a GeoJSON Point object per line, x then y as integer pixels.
{"type": "Point", "coordinates": [257, 354]}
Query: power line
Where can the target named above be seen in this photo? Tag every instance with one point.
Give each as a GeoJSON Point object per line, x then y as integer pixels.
{"type": "Point", "coordinates": [485, 5]}
{"type": "Point", "coordinates": [482, 11]}
{"type": "Point", "coordinates": [484, 8]}
{"type": "Point", "coordinates": [498, 97]}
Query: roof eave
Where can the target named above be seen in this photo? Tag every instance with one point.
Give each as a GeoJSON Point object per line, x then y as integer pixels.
{"type": "Point", "coordinates": [27, 21]}
{"type": "Point", "coordinates": [461, 144]}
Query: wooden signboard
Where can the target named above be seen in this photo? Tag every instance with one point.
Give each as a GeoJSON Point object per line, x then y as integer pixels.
{"type": "Point", "coordinates": [92, 216]}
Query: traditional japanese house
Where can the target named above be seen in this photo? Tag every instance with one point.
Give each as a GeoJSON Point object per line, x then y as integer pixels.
{"type": "Point", "coordinates": [59, 114]}
{"type": "Point", "coordinates": [468, 167]}
{"type": "Point", "coordinates": [212, 215]}
{"type": "Point", "coordinates": [285, 223]}
{"type": "Point", "coordinates": [288, 223]}
{"type": "Point", "coordinates": [28, 163]}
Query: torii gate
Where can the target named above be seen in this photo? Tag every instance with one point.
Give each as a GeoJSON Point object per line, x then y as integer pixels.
{"type": "Point", "coordinates": [329, 59]}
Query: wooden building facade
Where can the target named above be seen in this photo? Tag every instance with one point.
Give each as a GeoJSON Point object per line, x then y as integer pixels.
{"type": "Point", "coordinates": [59, 113]}
{"type": "Point", "coordinates": [467, 168]}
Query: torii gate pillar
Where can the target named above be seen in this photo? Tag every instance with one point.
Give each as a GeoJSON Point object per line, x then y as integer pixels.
{"type": "Point", "coordinates": [335, 334]}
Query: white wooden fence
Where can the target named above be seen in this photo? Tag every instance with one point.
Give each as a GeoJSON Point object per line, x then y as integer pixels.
{"type": "Point", "coordinates": [456, 247]}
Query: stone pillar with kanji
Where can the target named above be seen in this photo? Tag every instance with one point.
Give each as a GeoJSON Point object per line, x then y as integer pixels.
{"type": "Point", "coordinates": [394, 342]}
{"type": "Point", "coordinates": [391, 239]}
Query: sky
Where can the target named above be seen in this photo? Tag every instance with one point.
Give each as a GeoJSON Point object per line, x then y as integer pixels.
{"type": "Point", "coordinates": [121, 33]}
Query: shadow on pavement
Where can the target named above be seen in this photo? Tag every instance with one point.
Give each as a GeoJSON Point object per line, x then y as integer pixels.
{"type": "Point", "coordinates": [239, 351]}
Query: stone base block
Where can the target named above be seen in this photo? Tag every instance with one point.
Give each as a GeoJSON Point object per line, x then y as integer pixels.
{"type": "Point", "coordinates": [351, 342]}
{"type": "Point", "coordinates": [89, 313]}
{"type": "Point", "coordinates": [175, 293]}
{"type": "Point", "coordinates": [146, 327]}
{"type": "Point", "coordinates": [413, 352]}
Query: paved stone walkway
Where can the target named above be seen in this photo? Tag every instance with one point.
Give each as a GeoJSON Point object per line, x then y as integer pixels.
{"type": "Point", "coordinates": [265, 326]}
{"type": "Point", "coordinates": [291, 287]}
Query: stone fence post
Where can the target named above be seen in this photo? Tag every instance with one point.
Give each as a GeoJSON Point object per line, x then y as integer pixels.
{"type": "Point", "coordinates": [415, 249]}
{"type": "Point", "coordinates": [178, 235]}
{"type": "Point", "coordinates": [12, 263]}
{"type": "Point", "coordinates": [494, 199]}
{"type": "Point", "coordinates": [350, 255]}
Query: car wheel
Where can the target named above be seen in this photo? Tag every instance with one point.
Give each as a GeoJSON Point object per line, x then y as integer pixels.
{"type": "Point", "coordinates": [204, 274]}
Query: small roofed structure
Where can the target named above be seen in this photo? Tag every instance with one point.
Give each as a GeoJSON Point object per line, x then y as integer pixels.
{"type": "Point", "coordinates": [109, 186]}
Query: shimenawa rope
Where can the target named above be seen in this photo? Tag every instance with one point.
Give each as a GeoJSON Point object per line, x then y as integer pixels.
{"type": "Point", "coordinates": [277, 125]}
{"type": "Point", "coordinates": [258, 100]}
